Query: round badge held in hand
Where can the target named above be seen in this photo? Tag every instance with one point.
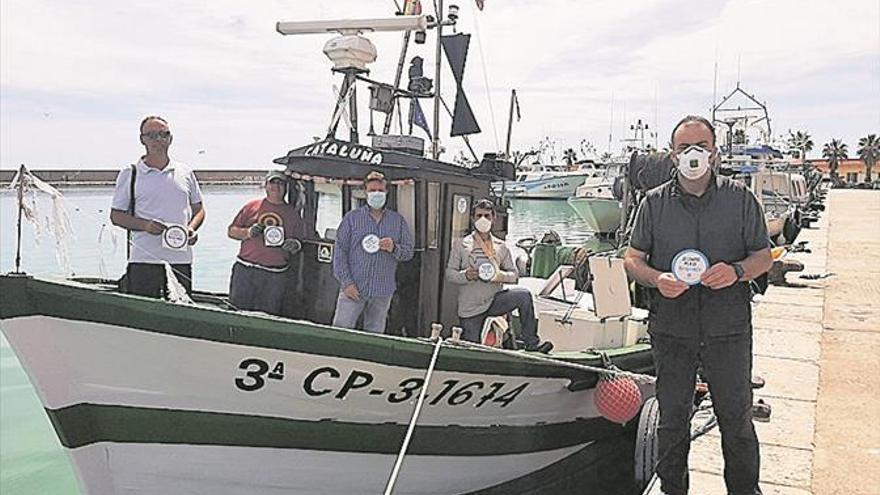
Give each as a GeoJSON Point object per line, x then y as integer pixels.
{"type": "Point", "coordinates": [370, 243]}
{"type": "Point", "coordinates": [273, 235]}
{"type": "Point", "coordinates": [689, 265]}
{"type": "Point", "coordinates": [486, 272]}
{"type": "Point", "coordinates": [175, 237]}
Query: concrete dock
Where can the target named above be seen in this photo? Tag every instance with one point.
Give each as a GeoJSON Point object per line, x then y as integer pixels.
{"type": "Point", "coordinates": [817, 345]}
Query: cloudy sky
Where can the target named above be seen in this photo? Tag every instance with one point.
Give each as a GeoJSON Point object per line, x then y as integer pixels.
{"type": "Point", "coordinates": [76, 77]}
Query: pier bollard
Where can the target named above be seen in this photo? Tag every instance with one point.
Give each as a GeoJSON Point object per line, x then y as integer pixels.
{"type": "Point", "coordinates": [436, 328]}
{"type": "Point", "coordinates": [456, 334]}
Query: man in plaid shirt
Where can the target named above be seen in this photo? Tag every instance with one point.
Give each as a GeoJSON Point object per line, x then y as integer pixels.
{"type": "Point", "coordinates": [370, 242]}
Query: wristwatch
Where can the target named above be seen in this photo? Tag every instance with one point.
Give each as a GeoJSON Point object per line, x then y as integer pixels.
{"type": "Point", "coordinates": [738, 269]}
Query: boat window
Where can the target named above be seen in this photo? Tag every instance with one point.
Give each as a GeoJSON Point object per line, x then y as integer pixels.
{"type": "Point", "coordinates": [357, 196]}
{"type": "Point", "coordinates": [329, 209]}
{"type": "Point", "coordinates": [461, 216]}
{"type": "Point", "coordinates": [433, 214]}
{"type": "Point", "coordinates": [406, 204]}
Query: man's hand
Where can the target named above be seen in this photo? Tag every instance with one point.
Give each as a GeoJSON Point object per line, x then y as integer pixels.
{"type": "Point", "coordinates": [291, 246]}
{"type": "Point", "coordinates": [351, 292]}
{"type": "Point", "coordinates": [256, 230]}
{"type": "Point", "coordinates": [154, 227]}
{"type": "Point", "coordinates": [719, 276]}
{"type": "Point", "coordinates": [193, 237]}
{"type": "Point", "coordinates": [386, 244]}
{"type": "Point", "coordinates": [472, 274]}
{"type": "Point", "coordinates": [670, 286]}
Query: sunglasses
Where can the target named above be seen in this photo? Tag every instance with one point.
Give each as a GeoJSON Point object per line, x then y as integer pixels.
{"type": "Point", "coordinates": [157, 135]}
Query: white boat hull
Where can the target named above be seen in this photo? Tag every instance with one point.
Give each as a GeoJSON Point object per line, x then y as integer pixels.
{"type": "Point", "coordinates": [156, 409]}
{"type": "Point", "coordinates": [602, 215]}
{"type": "Point", "coordinates": [549, 188]}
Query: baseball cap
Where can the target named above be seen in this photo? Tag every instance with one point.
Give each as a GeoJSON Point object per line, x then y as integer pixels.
{"type": "Point", "coordinates": [275, 174]}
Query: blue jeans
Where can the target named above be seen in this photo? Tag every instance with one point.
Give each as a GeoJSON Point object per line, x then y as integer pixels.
{"type": "Point", "coordinates": [504, 302]}
{"type": "Point", "coordinates": [373, 309]}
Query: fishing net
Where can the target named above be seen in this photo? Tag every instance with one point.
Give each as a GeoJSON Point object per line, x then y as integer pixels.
{"type": "Point", "coordinates": [107, 235]}
{"type": "Point", "coordinates": [176, 292]}
{"type": "Point", "coordinates": [57, 223]}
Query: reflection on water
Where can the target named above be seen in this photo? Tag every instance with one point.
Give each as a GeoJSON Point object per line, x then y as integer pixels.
{"type": "Point", "coordinates": [534, 217]}
{"type": "Point", "coordinates": [32, 458]}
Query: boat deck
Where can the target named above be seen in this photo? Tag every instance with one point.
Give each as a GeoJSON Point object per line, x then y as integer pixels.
{"type": "Point", "coordinates": [816, 343]}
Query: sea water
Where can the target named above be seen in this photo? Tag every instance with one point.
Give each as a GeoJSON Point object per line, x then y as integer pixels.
{"type": "Point", "coordinates": [32, 460]}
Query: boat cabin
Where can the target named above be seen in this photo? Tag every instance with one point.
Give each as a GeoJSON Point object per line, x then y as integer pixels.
{"type": "Point", "coordinates": [435, 198]}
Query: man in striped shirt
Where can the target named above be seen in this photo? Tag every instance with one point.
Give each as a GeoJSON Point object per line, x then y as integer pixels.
{"type": "Point", "coordinates": [370, 242]}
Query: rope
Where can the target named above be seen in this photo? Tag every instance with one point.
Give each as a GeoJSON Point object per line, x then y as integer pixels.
{"type": "Point", "coordinates": [485, 76]}
{"type": "Point", "coordinates": [636, 377]}
{"type": "Point", "coordinates": [412, 421]}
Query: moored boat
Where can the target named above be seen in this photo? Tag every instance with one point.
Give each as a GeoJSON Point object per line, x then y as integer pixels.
{"type": "Point", "coordinates": [152, 396]}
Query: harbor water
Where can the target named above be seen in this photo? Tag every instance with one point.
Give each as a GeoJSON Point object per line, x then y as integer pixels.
{"type": "Point", "coordinates": [31, 458]}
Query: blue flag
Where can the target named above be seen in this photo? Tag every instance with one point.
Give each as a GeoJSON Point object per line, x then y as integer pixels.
{"type": "Point", "coordinates": [419, 117]}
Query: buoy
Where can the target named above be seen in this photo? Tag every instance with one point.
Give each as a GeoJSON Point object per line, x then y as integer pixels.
{"type": "Point", "coordinates": [617, 398]}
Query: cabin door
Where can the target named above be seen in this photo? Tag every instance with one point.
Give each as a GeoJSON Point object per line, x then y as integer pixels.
{"type": "Point", "coordinates": [456, 223]}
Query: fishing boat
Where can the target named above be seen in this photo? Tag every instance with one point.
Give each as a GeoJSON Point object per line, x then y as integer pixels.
{"type": "Point", "coordinates": [154, 397]}
{"type": "Point", "coordinates": [747, 154]}
{"type": "Point", "coordinates": [595, 202]}
{"type": "Point", "coordinates": [546, 181]}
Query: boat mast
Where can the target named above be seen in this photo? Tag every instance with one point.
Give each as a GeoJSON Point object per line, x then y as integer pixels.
{"type": "Point", "coordinates": [400, 61]}
{"type": "Point", "coordinates": [435, 139]}
{"type": "Point", "coordinates": [21, 173]}
{"type": "Point", "coordinates": [510, 122]}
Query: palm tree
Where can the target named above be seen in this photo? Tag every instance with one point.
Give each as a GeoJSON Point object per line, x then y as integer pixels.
{"type": "Point", "coordinates": [834, 152]}
{"type": "Point", "coordinates": [802, 141]}
{"type": "Point", "coordinates": [869, 152]}
{"type": "Point", "coordinates": [570, 156]}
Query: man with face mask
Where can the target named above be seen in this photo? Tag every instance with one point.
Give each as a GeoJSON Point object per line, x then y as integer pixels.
{"type": "Point", "coordinates": [696, 243]}
{"type": "Point", "coordinates": [370, 242]}
{"type": "Point", "coordinates": [269, 230]}
{"type": "Point", "coordinates": [159, 202]}
{"type": "Point", "coordinates": [479, 264]}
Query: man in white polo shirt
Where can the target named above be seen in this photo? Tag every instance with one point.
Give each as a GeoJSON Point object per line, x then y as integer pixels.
{"type": "Point", "coordinates": [162, 215]}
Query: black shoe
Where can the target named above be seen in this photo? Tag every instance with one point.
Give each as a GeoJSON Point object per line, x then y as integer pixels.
{"type": "Point", "coordinates": [544, 347]}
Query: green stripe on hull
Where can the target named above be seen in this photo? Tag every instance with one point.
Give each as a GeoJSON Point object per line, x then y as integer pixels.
{"type": "Point", "coordinates": [85, 424]}
{"type": "Point", "coordinates": [25, 296]}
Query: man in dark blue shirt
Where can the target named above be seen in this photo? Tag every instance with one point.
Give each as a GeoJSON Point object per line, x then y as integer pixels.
{"type": "Point", "coordinates": [697, 241]}
{"type": "Point", "coordinates": [370, 242]}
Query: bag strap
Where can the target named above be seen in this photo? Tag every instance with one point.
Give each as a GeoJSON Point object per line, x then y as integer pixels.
{"type": "Point", "coordinates": [131, 182]}
{"type": "Point", "coordinates": [488, 249]}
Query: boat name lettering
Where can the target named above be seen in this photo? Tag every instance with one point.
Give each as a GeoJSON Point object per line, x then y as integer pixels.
{"type": "Point", "coordinates": [329, 381]}
{"type": "Point", "coordinates": [352, 152]}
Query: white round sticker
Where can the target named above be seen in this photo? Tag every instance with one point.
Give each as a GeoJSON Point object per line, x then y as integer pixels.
{"type": "Point", "coordinates": [689, 265]}
{"type": "Point", "coordinates": [462, 205]}
{"type": "Point", "coordinates": [273, 235]}
{"type": "Point", "coordinates": [486, 272]}
{"type": "Point", "coordinates": [370, 243]}
{"type": "Point", "coordinates": [175, 237]}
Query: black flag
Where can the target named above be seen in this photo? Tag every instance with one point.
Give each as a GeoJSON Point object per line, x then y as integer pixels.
{"type": "Point", "coordinates": [456, 47]}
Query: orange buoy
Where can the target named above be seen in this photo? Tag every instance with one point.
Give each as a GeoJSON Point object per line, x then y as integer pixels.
{"type": "Point", "coordinates": [617, 398]}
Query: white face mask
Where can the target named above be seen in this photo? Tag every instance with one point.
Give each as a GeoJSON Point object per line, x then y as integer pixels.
{"type": "Point", "coordinates": [483, 224]}
{"type": "Point", "coordinates": [693, 162]}
{"type": "Point", "coordinates": [376, 199]}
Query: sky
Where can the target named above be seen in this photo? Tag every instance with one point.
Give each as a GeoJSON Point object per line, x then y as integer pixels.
{"type": "Point", "coordinates": [77, 77]}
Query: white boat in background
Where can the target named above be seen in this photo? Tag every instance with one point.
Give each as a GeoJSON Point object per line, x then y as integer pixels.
{"type": "Point", "coordinates": [595, 203]}
{"type": "Point", "coordinates": [546, 181]}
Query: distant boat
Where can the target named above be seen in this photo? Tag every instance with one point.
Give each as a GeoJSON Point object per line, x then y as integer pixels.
{"type": "Point", "coordinates": [546, 182]}
{"type": "Point", "coordinates": [595, 203]}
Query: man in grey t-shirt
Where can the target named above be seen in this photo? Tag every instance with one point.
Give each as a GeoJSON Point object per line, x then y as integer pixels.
{"type": "Point", "coordinates": [166, 196]}
{"type": "Point", "coordinates": [697, 241]}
